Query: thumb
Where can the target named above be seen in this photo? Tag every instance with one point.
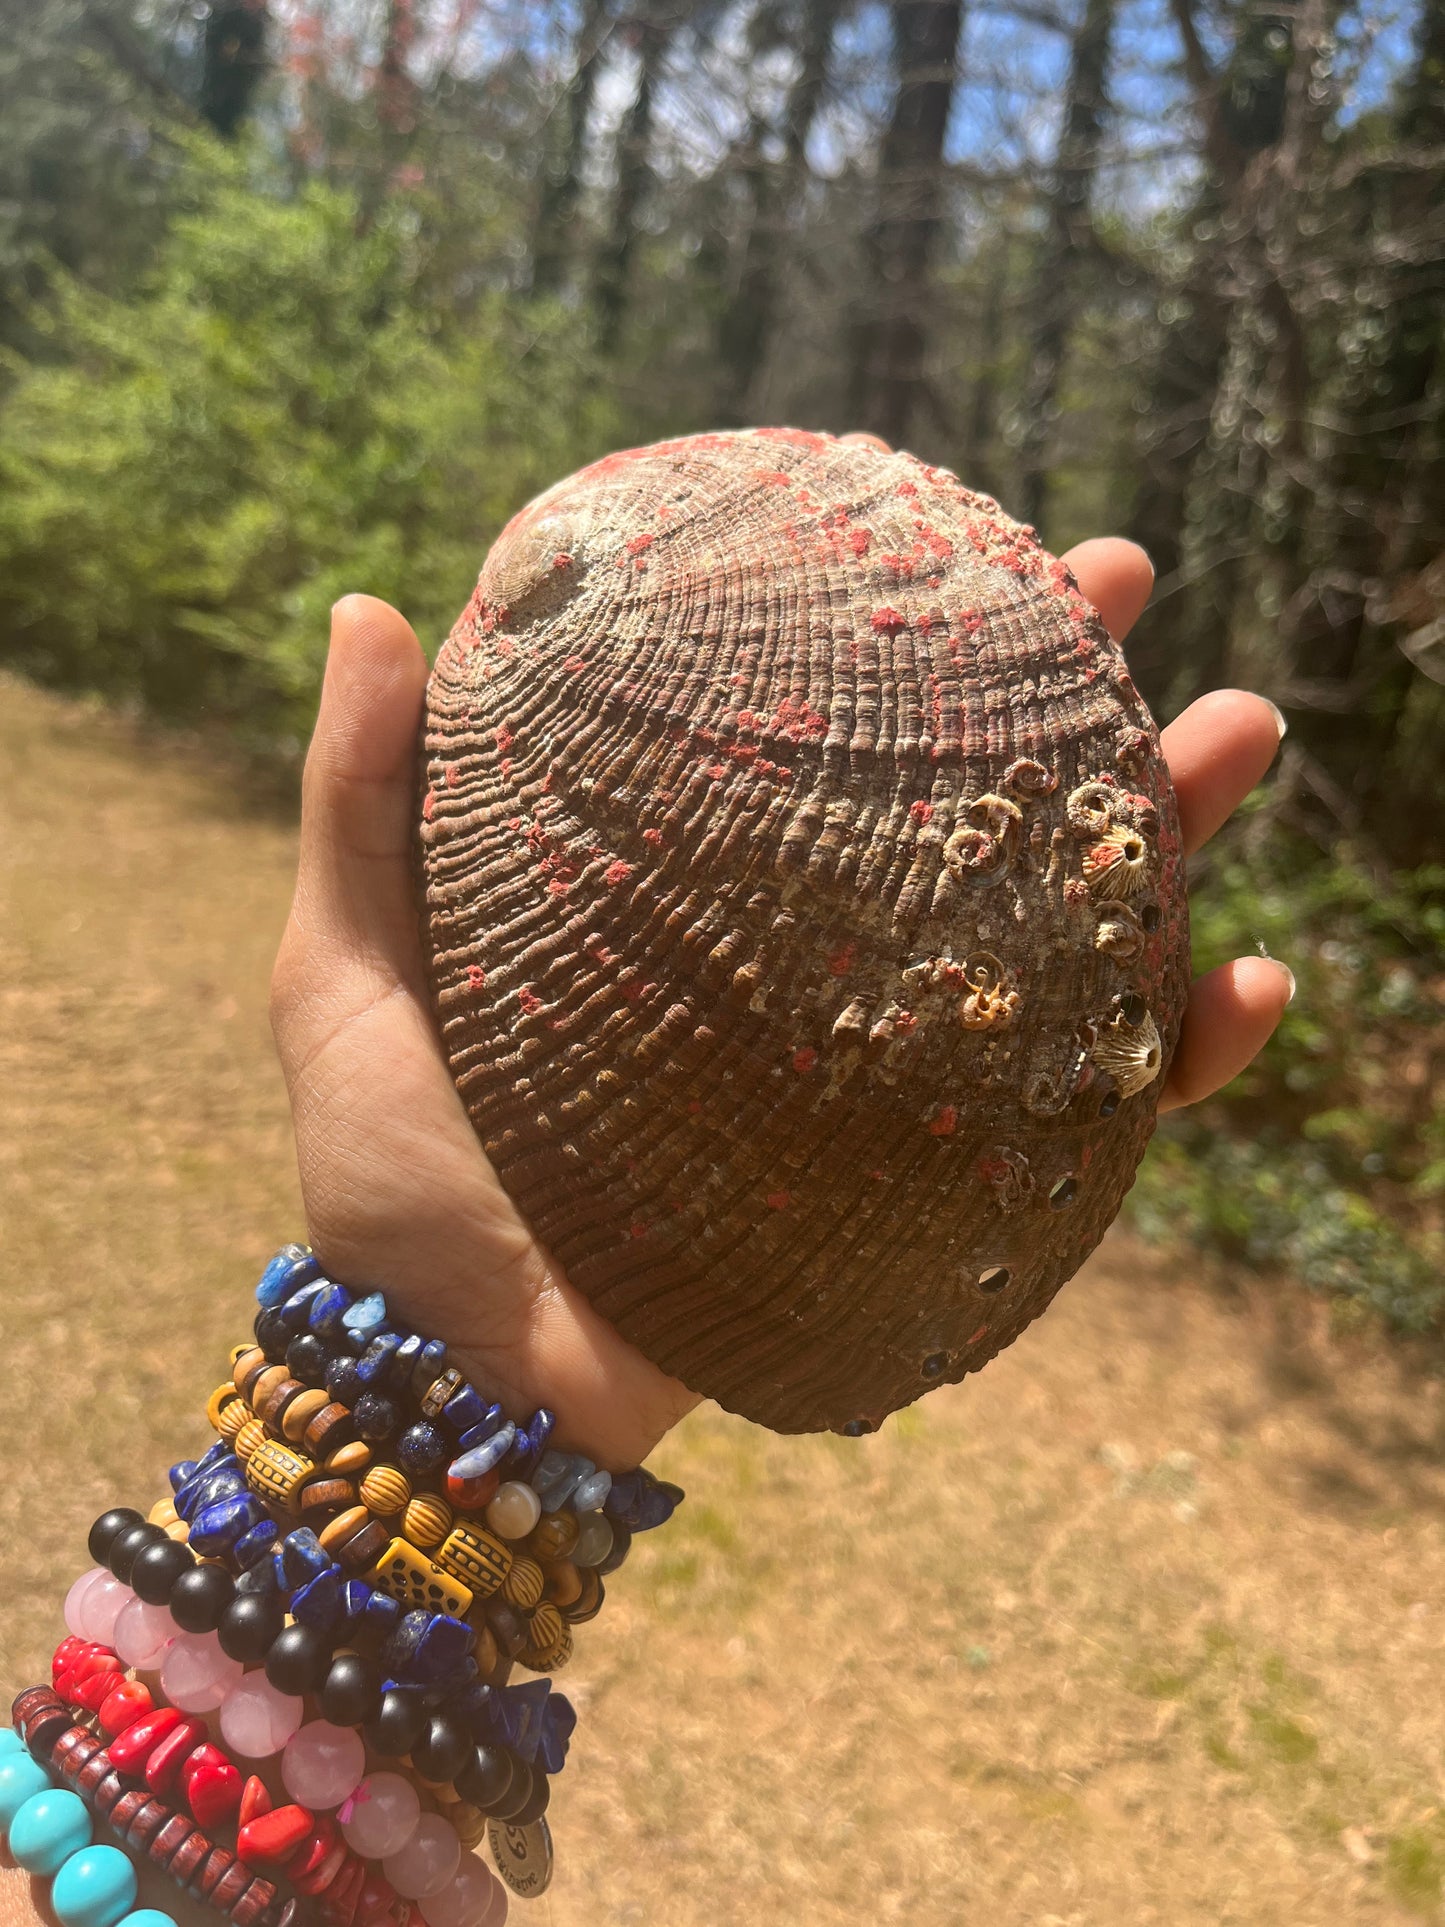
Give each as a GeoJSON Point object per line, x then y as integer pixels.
{"type": "Point", "coordinates": [352, 934]}
{"type": "Point", "coordinates": [354, 889]}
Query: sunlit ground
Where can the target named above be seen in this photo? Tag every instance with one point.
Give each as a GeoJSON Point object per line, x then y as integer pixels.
{"type": "Point", "coordinates": [1147, 1624]}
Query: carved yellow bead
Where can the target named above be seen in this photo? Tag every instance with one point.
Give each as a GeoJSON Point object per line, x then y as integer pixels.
{"type": "Point", "coordinates": [162, 1513]}
{"type": "Point", "coordinates": [408, 1575]}
{"type": "Point", "coordinates": [234, 1414]}
{"type": "Point", "coordinates": [386, 1491]}
{"type": "Point", "coordinates": [427, 1520]}
{"type": "Point", "coordinates": [251, 1435]}
{"type": "Point", "coordinates": [475, 1556]}
{"type": "Point", "coordinates": [220, 1398]}
{"type": "Point", "coordinates": [523, 1584]}
{"type": "Point", "coordinates": [549, 1641]}
{"type": "Point", "coordinates": [277, 1472]}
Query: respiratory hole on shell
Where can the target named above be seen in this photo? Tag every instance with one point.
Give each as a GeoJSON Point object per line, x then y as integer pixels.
{"type": "Point", "coordinates": [1108, 1103]}
{"type": "Point", "coordinates": [1133, 1009]}
{"type": "Point", "coordinates": [934, 1365]}
{"type": "Point", "coordinates": [1064, 1192]}
{"type": "Point", "coordinates": [1149, 916]}
{"type": "Point", "coordinates": [994, 1278]}
{"type": "Point", "coordinates": [856, 1428]}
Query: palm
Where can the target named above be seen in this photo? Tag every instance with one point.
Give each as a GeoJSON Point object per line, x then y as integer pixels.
{"type": "Point", "coordinates": [398, 1192]}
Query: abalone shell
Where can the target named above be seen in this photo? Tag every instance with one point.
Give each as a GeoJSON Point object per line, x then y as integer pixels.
{"type": "Point", "coordinates": [804, 910]}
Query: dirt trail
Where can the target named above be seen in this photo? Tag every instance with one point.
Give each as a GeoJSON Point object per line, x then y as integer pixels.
{"type": "Point", "coordinates": [1146, 1624]}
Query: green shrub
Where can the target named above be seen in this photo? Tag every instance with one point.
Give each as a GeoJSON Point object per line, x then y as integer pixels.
{"type": "Point", "coordinates": [1327, 1157]}
{"type": "Point", "coordinates": [277, 419]}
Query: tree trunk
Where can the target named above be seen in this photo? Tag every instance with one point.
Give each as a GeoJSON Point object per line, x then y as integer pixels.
{"type": "Point", "coordinates": [893, 329]}
{"type": "Point", "coordinates": [775, 194]}
{"type": "Point", "coordinates": [1065, 247]}
{"type": "Point", "coordinates": [233, 62]}
{"type": "Point", "coordinates": [1240, 111]}
{"type": "Point", "coordinates": [634, 175]}
{"type": "Point", "coordinates": [554, 237]}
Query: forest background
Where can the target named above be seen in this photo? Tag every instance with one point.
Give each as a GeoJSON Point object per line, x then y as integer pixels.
{"type": "Point", "coordinates": [302, 298]}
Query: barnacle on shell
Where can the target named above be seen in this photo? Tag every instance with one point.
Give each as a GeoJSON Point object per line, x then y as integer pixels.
{"type": "Point", "coordinates": [1132, 1054]}
{"type": "Point", "coordinates": [1120, 934]}
{"type": "Point", "coordinates": [1119, 864]}
{"type": "Point", "coordinates": [991, 1002]}
{"type": "Point", "coordinates": [707, 820]}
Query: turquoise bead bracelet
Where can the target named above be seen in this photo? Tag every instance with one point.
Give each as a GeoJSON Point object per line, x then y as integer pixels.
{"type": "Point", "coordinates": [50, 1833]}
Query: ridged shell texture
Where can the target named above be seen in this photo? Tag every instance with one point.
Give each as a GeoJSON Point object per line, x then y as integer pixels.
{"type": "Point", "coordinates": [804, 911]}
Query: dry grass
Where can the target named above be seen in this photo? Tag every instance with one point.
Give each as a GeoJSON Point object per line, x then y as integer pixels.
{"type": "Point", "coordinates": [1145, 1625]}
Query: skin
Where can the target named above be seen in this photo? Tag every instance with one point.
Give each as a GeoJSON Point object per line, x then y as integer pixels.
{"type": "Point", "coordinates": [398, 1192]}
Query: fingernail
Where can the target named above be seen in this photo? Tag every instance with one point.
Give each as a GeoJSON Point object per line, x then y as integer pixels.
{"type": "Point", "coordinates": [1287, 974]}
{"type": "Point", "coordinates": [1280, 724]}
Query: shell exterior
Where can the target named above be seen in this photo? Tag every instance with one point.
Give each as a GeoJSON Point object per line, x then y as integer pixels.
{"type": "Point", "coordinates": [804, 910]}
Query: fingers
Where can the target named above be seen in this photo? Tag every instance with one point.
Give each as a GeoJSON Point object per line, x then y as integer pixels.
{"type": "Point", "coordinates": [1217, 751]}
{"type": "Point", "coordinates": [1231, 1015]}
{"type": "Point", "coordinates": [1116, 576]}
{"type": "Point", "coordinates": [858, 439]}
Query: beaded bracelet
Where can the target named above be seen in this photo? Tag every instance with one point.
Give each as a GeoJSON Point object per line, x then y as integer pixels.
{"type": "Point", "coordinates": [399, 1593]}
{"type": "Point", "coordinates": [49, 1832]}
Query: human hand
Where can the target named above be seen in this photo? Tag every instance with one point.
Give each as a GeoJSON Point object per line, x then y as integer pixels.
{"type": "Point", "coordinates": [398, 1192]}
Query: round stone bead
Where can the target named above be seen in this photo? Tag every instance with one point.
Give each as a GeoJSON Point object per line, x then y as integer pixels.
{"type": "Point", "coordinates": [108, 1528]}
{"type": "Point", "coordinates": [322, 1764]}
{"type": "Point", "coordinates": [49, 1828]}
{"type": "Point", "coordinates": [156, 1570]}
{"type": "Point", "coordinates": [75, 1599]}
{"type": "Point", "coordinates": [200, 1596]}
{"type": "Point", "coordinates": [554, 1536]}
{"type": "Point", "coordinates": [94, 1888]}
{"type": "Point", "coordinates": [487, 1779]}
{"type": "Point", "coordinates": [443, 1748]}
{"type": "Point", "coordinates": [147, 1917]}
{"type": "Point", "coordinates": [376, 1417]}
{"type": "Point", "coordinates": [427, 1862]}
{"type": "Point", "coordinates": [102, 1607]}
{"type": "Point", "coordinates": [383, 1816]}
{"type": "Point", "coordinates": [466, 1899]}
{"type": "Point", "coordinates": [21, 1779]}
{"type": "Point", "coordinates": [249, 1624]}
{"type": "Point", "coordinates": [397, 1726]}
{"type": "Point", "coordinates": [126, 1548]}
{"type": "Point", "coordinates": [514, 1511]}
{"type": "Point", "coordinates": [257, 1720]}
{"type": "Point", "coordinates": [142, 1634]}
{"type": "Point", "coordinates": [299, 1660]}
{"type": "Point", "coordinates": [594, 1540]}
{"type": "Point", "coordinates": [423, 1448]}
{"type": "Point", "coordinates": [352, 1693]}
{"type": "Point", "coordinates": [196, 1675]}
{"type": "Point", "coordinates": [10, 1743]}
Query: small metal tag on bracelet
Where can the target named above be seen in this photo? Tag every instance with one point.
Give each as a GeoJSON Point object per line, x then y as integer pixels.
{"type": "Point", "coordinates": [523, 1856]}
